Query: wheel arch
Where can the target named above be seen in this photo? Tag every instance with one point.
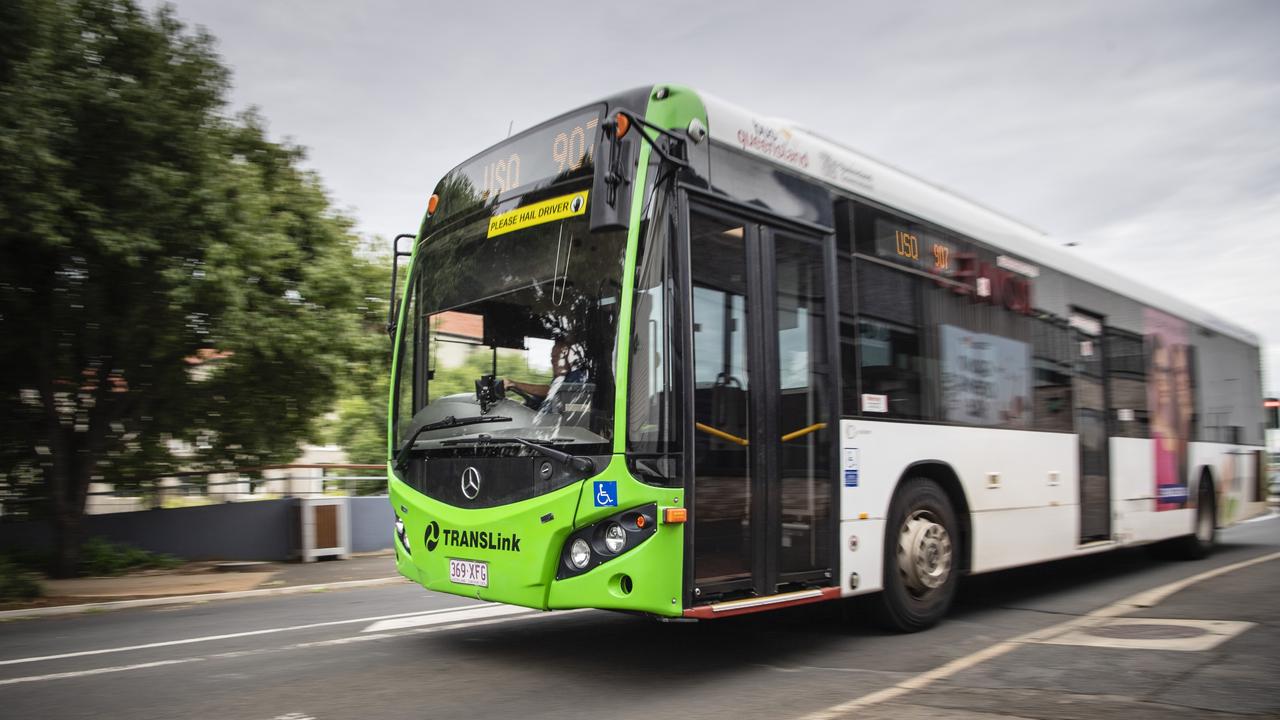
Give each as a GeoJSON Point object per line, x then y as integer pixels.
{"type": "Point", "coordinates": [945, 476]}
{"type": "Point", "coordinates": [1205, 476]}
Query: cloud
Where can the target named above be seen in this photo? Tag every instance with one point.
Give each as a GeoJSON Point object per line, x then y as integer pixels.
{"type": "Point", "coordinates": [1145, 130]}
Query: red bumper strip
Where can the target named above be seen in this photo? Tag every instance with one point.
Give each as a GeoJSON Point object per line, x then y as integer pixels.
{"type": "Point", "coordinates": [760, 604]}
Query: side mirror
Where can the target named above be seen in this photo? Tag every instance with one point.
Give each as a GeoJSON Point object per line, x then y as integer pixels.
{"type": "Point", "coordinates": [392, 309]}
{"type": "Point", "coordinates": [621, 133]}
{"type": "Point", "coordinates": [610, 189]}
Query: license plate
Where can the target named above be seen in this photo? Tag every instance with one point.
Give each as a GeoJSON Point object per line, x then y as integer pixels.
{"type": "Point", "coordinates": [469, 572]}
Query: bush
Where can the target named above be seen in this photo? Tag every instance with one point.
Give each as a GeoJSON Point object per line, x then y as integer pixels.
{"type": "Point", "coordinates": [17, 583]}
{"type": "Point", "coordinates": [100, 557]}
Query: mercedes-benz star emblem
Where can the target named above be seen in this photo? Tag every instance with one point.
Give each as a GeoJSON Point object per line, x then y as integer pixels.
{"type": "Point", "coordinates": [471, 483]}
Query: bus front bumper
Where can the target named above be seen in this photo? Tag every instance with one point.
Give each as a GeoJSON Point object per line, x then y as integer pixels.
{"type": "Point", "coordinates": [512, 553]}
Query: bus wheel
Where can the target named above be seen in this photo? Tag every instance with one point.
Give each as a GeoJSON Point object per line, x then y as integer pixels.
{"type": "Point", "coordinates": [1200, 543]}
{"type": "Point", "coordinates": [921, 557]}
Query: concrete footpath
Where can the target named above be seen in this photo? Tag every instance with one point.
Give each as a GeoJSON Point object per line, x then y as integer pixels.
{"type": "Point", "coordinates": [197, 581]}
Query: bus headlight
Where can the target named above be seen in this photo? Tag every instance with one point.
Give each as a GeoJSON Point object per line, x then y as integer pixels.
{"type": "Point", "coordinates": [605, 540]}
{"type": "Point", "coordinates": [402, 536]}
{"type": "Point", "coordinates": [579, 553]}
{"type": "Point", "coordinates": [615, 538]}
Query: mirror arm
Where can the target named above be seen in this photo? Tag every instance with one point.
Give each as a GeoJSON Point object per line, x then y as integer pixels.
{"type": "Point", "coordinates": [676, 141]}
{"type": "Point", "coordinates": [673, 154]}
{"type": "Point", "coordinates": [397, 253]}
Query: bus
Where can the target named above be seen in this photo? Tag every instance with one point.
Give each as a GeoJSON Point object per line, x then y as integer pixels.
{"type": "Point", "coordinates": [668, 356]}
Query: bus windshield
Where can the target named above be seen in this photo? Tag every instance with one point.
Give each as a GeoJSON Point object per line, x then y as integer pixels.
{"type": "Point", "coordinates": [516, 332]}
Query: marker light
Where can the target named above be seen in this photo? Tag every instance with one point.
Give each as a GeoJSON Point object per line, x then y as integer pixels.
{"type": "Point", "coordinates": [432, 203]}
{"type": "Point", "coordinates": [624, 124]}
{"type": "Point", "coordinates": [579, 553]}
{"type": "Point", "coordinates": [615, 538]}
{"type": "Point", "coordinates": [674, 515]}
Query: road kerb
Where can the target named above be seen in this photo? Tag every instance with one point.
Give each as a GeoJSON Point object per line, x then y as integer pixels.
{"type": "Point", "coordinates": [111, 605]}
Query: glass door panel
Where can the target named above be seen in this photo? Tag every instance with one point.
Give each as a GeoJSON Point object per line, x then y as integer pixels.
{"type": "Point", "coordinates": [723, 467]}
{"type": "Point", "coordinates": [1091, 428]}
{"type": "Point", "coordinates": [804, 478]}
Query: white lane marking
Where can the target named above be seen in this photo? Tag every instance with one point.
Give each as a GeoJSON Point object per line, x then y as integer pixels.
{"type": "Point", "coordinates": [247, 633]}
{"type": "Point", "coordinates": [465, 614]}
{"type": "Point", "coordinates": [196, 599]}
{"type": "Point", "coordinates": [1145, 599]}
{"type": "Point", "coordinates": [97, 671]}
{"type": "Point", "coordinates": [1272, 515]}
{"type": "Point", "coordinates": [286, 648]}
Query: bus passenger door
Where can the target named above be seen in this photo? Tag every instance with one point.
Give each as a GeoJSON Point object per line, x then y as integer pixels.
{"type": "Point", "coordinates": [1091, 427]}
{"type": "Point", "coordinates": [763, 486]}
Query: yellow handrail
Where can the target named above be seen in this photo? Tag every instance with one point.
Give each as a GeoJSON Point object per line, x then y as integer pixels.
{"type": "Point", "coordinates": [722, 434]}
{"type": "Point", "coordinates": [803, 431]}
{"type": "Point", "coordinates": [745, 442]}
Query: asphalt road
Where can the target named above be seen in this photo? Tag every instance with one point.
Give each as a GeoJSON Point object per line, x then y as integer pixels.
{"type": "Point", "coordinates": [401, 652]}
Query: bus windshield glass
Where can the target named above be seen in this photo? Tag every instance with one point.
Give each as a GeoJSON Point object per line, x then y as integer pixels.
{"type": "Point", "coordinates": [519, 322]}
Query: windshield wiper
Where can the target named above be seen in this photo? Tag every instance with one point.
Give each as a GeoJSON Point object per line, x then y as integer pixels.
{"type": "Point", "coordinates": [402, 456]}
{"type": "Point", "coordinates": [580, 463]}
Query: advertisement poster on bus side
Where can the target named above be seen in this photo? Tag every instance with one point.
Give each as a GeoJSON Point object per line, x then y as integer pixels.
{"type": "Point", "coordinates": [986, 379]}
{"type": "Point", "coordinates": [1171, 405]}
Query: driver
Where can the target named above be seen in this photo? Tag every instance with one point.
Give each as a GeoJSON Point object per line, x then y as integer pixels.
{"type": "Point", "coordinates": [562, 368]}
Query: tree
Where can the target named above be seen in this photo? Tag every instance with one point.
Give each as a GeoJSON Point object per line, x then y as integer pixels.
{"type": "Point", "coordinates": [169, 277]}
{"type": "Point", "coordinates": [360, 421]}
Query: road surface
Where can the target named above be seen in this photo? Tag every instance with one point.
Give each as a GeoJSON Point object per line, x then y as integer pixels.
{"type": "Point", "coordinates": [401, 652]}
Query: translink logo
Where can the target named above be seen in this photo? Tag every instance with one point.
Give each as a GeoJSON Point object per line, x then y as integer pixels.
{"type": "Point", "coordinates": [479, 539]}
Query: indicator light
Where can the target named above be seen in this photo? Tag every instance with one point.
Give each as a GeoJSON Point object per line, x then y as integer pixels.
{"type": "Point", "coordinates": [641, 521]}
{"type": "Point", "coordinates": [432, 203]}
{"type": "Point", "coordinates": [673, 516]}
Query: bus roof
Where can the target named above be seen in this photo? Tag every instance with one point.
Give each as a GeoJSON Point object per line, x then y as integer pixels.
{"type": "Point", "coordinates": [802, 151]}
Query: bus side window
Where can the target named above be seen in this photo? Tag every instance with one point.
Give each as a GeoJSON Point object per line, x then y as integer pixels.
{"type": "Point", "coordinates": [1126, 369]}
{"type": "Point", "coordinates": [889, 343]}
{"type": "Point", "coordinates": [1051, 358]}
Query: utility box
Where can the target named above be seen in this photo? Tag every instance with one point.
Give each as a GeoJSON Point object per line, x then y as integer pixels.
{"type": "Point", "coordinates": [324, 528]}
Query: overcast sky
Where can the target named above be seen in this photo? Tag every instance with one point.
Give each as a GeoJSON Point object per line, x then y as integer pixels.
{"type": "Point", "coordinates": [1149, 132]}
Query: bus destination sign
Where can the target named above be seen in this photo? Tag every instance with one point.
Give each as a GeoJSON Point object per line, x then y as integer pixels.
{"type": "Point", "coordinates": [966, 269]}
{"type": "Point", "coordinates": [559, 150]}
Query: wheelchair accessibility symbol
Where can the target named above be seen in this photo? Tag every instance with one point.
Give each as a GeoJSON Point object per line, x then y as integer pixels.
{"type": "Point", "coordinates": [606, 493]}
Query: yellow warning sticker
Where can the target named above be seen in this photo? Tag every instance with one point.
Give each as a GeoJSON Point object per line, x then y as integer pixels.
{"type": "Point", "coordinates": [559, 208]}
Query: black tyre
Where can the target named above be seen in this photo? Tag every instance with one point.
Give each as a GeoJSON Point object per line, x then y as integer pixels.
{"type": "Point", "coordinates": [1201, 542]}
{"type": "Point", "coordinates": [921, 557]}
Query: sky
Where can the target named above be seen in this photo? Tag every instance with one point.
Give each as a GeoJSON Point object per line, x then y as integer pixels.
{"type": "Point", "coordinates": [1145, 131]}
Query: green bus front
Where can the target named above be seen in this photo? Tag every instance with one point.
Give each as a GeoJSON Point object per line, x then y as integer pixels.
{"type": "Point", "coordinates": [509, 473]}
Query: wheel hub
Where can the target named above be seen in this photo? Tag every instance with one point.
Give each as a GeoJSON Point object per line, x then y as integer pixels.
{"type": "Point", "coordinates": [924, 553]}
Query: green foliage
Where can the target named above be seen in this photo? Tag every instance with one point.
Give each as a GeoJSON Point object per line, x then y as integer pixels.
{"type": "Point", "coordinates": [17, 582]}
{"type": "Point", "coordinates": [100, 557]}
{"type": "Point", "coordinates": [360, 421]}
{"type": "Point", "coordinates": [168, 274]}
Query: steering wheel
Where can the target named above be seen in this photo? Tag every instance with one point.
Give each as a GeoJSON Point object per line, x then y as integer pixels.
{"type": "Point", "coordinates": [531, 401]}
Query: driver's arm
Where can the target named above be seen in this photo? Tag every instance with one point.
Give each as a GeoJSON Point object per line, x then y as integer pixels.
{"type": "Point", "coordinates": [537, 389]}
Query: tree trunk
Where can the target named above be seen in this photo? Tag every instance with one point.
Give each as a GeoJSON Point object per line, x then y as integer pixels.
{"type": "Point", "coordinates": [68, 529]}
{"type": "Point", "coordinates": [67, 476]}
